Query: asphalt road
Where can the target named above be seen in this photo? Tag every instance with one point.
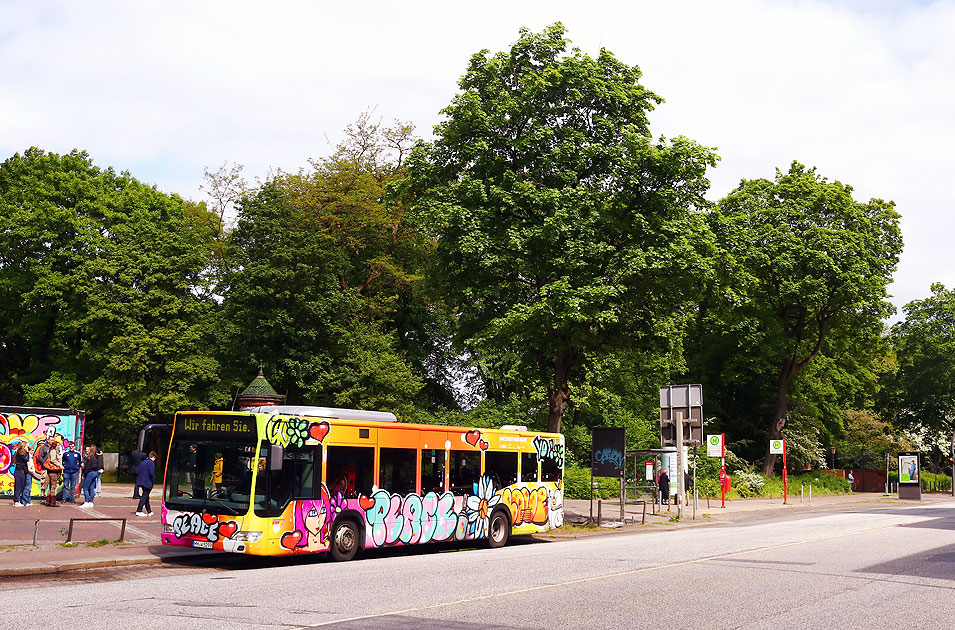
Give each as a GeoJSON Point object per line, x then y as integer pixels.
{"type": "Point", "coordinates": [862, 566]}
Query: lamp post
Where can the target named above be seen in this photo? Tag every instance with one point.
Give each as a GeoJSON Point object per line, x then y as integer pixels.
{"type": "Point", "coordinates": [832, 449]}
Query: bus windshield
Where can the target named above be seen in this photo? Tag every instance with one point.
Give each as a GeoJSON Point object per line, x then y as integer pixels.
{"type": "Point", "coordinates": [210, 474]}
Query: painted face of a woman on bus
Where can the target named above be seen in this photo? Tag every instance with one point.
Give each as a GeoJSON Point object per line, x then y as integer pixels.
{"type": "Point", "coordinates": [314, 514]}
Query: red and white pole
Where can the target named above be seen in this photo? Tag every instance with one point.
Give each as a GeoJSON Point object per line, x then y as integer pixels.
{"type": "Point", "coordinates": [785, 474]}
{"type": "Point", "coordinates": [723, 468]}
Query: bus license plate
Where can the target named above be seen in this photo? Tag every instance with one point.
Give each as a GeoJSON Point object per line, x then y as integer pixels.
{"type": "Point", "coordinates": [204, 544]}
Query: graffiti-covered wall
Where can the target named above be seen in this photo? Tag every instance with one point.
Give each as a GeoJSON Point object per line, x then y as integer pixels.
{"type": "Point", "coordinates": [19, 424]}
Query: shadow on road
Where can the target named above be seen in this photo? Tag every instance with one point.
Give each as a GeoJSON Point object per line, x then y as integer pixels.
{"type": "Point", "coordinates": [241, 562]}
{"type": "Point", "coordinates": [936, 564]}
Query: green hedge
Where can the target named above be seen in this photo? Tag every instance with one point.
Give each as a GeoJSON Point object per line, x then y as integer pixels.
{"type": "Point", "coordinates": [577, 484]}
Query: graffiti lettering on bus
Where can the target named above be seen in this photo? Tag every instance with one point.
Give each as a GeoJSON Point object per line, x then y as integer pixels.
{"type": "Point", "coordinates": [548, 448]}
{"type": "Point", "coordinates": [205, 526]}
{"type": "Point", "coordinates": [34, 429]}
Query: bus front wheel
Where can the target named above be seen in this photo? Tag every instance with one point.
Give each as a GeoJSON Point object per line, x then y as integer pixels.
{"type": "Point", "coordinates": [498, 530]}
{"type": "Point", "coordinates": [344, 541]}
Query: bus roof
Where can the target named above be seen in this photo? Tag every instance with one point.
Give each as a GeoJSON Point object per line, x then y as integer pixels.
{"type": "Point", "coordinates": [332, 413]}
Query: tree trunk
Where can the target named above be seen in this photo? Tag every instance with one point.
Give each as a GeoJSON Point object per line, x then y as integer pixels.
{"type": "Point", "coordinates": [559, 395]}
{"type": "Point", "coordinates": [778, 421]}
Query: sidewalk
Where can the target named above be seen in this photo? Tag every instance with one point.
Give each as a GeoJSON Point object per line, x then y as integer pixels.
{"type": "Point", "coordinates": [19, 557]}
{"type": "Point", "coordinates": [141, 544]}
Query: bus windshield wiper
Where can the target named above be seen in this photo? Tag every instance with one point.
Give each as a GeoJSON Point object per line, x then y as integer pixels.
{"type": "Point", "coordinates": [232, 510]}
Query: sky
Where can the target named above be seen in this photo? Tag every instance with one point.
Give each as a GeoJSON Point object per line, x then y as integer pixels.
{"type": "Point", "coordinates": [861, 89]}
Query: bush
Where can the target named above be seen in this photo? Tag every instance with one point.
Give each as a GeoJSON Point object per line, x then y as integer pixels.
{"type": "Point", "coordinates": [748, 484]}
{"type": "Point", "coordinates": [577, 484]}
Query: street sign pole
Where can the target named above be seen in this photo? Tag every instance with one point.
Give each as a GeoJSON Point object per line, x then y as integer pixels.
{"type": "Point", "coordinates": [785, 474]}
{"type": "Point", "coordinates": [679, 464]}
{"type": "Point", "coordinates": [723, 469]}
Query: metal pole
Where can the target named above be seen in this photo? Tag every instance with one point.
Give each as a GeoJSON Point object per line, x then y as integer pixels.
{"type": "Point", "coordinates": [680, 494]}
{"type": "Point", "coordinates": [36, 531]}
{"type": "Point", "coordinates": [599, 510]}
{"type": "Point", "coordinates": [785, 475]}
{"type": "Point", "coordinates": [622, 490]}
{"type": "Point", "coordinates": [695, 494]}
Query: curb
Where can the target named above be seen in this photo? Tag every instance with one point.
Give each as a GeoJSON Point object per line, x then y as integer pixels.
{"type": "Point", "coordinates": [81, 565]}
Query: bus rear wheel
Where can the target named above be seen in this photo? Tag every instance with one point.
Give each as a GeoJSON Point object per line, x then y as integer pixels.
{"type": "Point", "coordinates": [498, 530]}
{"type": "Point", "coordinates": [344, 541]}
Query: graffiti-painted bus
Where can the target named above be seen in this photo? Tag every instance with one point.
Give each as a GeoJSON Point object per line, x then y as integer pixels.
{"type": "Point", "coordinates": [284, 480]}
{"type": "Point", "coordinates": [33, 425]}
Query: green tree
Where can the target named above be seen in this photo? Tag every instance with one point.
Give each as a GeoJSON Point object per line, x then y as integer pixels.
{"type": "Point", "coordinates": [810, 267]}
{"type": "Point", "coordinates": [565, 232]}
{"type": "Point", "coordinates": [323, 266]}
{"type": "Point", "coordinates": [104, 305]}
{"type": "Point", "coordinates": [867, 439]}
{"type": "Point", "coordinates": [921, 393]}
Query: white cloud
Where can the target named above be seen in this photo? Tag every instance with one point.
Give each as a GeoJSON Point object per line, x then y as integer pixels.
{"type": "Point", "coordinates": [859, 89]}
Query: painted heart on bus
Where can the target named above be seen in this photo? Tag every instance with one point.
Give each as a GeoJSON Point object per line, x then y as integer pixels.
{"type": "Point", "coordinates": [483, 444]}
{"type": "Point", "coordinates": [227, 529]}
{"type": "Point", "coordinates": [472, 437]}
{"type": "Point", "coordinates": [210, 518]}
{"type": "Point", "coordinates": [318, 430]}
{"type": "Point", "coordinates": [291, 539]}
{"type": "Point", "coordinates": [366, 503]}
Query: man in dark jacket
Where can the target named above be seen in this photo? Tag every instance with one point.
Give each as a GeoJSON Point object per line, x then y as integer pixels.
{"type": "Point", "coordinates": [144, 482]}
{"type": "Point", "coordinates": [71, 473]}
{"type": "Point", "coordinates": [136, 458]}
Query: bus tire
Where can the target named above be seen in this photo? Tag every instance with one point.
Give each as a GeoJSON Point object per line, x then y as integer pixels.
{"type": "Point", "coordinates": [345, 540]}
{"type": "Point", "coordinates": [498, 529]}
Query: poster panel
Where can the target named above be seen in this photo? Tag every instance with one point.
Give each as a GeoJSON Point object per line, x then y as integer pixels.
{"type": "Point", "coordinates": [609, 448]}
{"type": "Point", "coordinates": [908, 468]}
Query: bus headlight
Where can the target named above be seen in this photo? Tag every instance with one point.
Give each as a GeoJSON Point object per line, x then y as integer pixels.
{"type": "Point", "coordinates": [247, 536]}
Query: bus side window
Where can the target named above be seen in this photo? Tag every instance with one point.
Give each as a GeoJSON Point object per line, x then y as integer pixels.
{"type": "Point", "coordinates": [550, 471]}
{"type": "Point", "coordinates": [396, 473]}
{"type": "Point", "coordinates": [501, 468]}
{"type": "Point", "coordinates": [350, 470]}
{"type": "Point", "coordinates": [432, 471]}
{"type": "Point", "coordinates": [465, 471]}
{"type": "Point", "coordinates": [529, 467]}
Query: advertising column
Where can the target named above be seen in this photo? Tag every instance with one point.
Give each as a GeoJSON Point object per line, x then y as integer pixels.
{"type": "Point", "coordinates": [910, 477]}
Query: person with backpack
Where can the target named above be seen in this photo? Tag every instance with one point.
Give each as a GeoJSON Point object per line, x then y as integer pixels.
{"type": "Point", "coordinates": [51, 472]}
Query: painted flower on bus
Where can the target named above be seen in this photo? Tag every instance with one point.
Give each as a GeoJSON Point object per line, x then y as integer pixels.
{"type": "Point", "coordinates": [478, 507]}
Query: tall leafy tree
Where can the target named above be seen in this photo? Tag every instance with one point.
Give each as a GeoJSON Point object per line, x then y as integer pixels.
{"type": "Point", "coordinates": [565, 231]}
{"type": "Point", "coordinates": [812, 266]}
{"type": "Point", "coordinates": [323, 270]}
{"type": "Point", "coordinates": [102, 291]}
{"type": "Point", "coordinates": [921, 394]}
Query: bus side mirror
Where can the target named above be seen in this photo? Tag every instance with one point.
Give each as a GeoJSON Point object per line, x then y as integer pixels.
{"type": "Point", "coordinates": [276, 453]}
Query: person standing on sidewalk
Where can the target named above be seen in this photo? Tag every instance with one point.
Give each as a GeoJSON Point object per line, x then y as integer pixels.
{"type": "Point", "coordinates": [21, 473]}
{"type": "Point", "coordinates": [53, 467]}
{"type": "Point", "coordinates": [91, 472]}
{"type": "Point", "coordinates": [136, 458]}
{"type": "Point", "coordinates": [664, 484]}
{"type": "Point", "coordinates": [71, 472]}
{"type": "Point", "coordinates": [144, 482]}
{"type": "Point", "coordinates": [99, 479]}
